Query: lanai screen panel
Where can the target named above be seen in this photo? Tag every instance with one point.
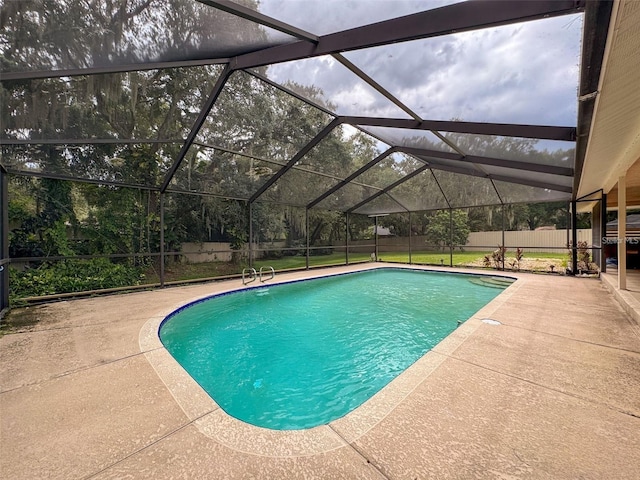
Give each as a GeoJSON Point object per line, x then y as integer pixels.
{"type": "Point", "coordinates": [137, 121]}
{"type": "Point", "coordinates": [326, 228]}
{"type": "Point", "coordinates": [420, 193]}
{"type": "Point", "coordinates": [217, 172]}
{"type": "Point", "coordinates": [253, 117]}
{"type": "Point", "coordinates": [382, 204]}
{"type": "Point", "coordinates": [383, 174]}
{"type": "Point", "coordinates": [81, 34]}
{"type": "Point", "coordinates": [338, 155]}
{"type": "Point", "coordinates": [321, 18]}
{"type": "Point", "coordinates": [159, 104]}
{"type": "Point", "coordinates": [348, 197]}
{"type": "Point", "coordinates": [325, 81]}
{"type": "Point", "coordinates": [544, 178]}
{"type": "Point", "coordinates": [456, 165]}
{"type": "Point", "coordinates": [530, 150]}
{"type": "Point", "coordinates": [340, 152]}
{"type": "Point", "coordinates": [405, 137]}
{"type": "Point", "coordinates": [524, 73]}
{"type": "Point", "coordinates": [278, 223]}
{"type": "Point", "coordinates": [143, 164]}
{"type": "Point", "coordinates": [513, 193]}
{"type": "Point", "coordinates": [466, 190]}
{"type": "Point", "coordinates": [298, 186]}
{"type": "Point", "coordinates": [389, 170]}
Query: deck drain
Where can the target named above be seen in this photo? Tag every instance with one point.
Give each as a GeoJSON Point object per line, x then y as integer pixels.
{"type": "Point", "coordinates": [490, 321]}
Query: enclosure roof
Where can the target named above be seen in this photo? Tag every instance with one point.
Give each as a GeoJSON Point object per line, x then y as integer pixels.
{"type": "Point", "coordinates": [358, 106]}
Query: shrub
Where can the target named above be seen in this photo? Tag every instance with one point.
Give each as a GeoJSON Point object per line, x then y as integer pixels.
{"type": "Point", "coordinates": [583, 256]}
{"type": "Point", "coordinates": [515, 263]}
{"type": "Point", "coordinates": [497, 257]}
{"type": "Point", "coordinates": [71, 276]}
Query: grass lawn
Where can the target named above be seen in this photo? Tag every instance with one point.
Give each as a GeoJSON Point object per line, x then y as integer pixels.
{"type": "Point", "coordinates": [459, 258]}
{"type": "Point", "coordinates": [432, 258]}
{"type": "Point", "coordinates": [314, 261]}
{"type": "Point", "coordinates": [192, 271]}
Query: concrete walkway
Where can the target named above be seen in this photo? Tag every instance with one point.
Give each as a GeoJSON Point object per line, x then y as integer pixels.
{"type": "Point", "coordinates": [552, 392]}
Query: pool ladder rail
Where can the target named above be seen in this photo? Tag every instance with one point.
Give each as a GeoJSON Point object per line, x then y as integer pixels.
{"type": "Point", "coordinates": [250, 275]}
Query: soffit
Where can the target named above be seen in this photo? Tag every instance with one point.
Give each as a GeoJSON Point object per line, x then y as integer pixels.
{"type": "Point", "coordinates": [614, 143]}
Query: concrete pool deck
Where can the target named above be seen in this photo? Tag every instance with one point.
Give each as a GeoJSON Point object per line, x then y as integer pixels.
{"type": "Point", "coordinates": [551, 392]}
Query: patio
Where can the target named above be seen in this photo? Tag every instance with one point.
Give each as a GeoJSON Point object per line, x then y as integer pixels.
{"type": "Point", "coordinates": [552, 392]}
{"type": "Point", "coordinates": [317, 114]}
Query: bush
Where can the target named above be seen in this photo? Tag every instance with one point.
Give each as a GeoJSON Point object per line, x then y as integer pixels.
{"type": "Point", "coordinates": [496, 259]}
{"type": "Point", "coordinates": [71, 276]}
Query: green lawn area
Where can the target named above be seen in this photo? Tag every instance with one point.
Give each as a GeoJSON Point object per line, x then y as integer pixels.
{"type": "Point", "coordinates": [433, 258]}
{"type": "Point", "coordinates": [192, 271]}
{"type": "Point", "coordinates": [314, 261]}
{"type": "Point", "coordinates": [459, 258]}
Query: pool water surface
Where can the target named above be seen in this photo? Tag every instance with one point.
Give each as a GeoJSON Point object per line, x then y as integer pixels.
{"type": "Point", "coordinates": [301, 354]}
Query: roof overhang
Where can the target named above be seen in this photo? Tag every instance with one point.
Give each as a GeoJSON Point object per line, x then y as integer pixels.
{"type": "Point", "coordinates": [613, 142]}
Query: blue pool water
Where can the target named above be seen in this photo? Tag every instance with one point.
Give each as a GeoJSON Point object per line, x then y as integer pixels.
{"type": "Point", "coordinates": [302, 354]}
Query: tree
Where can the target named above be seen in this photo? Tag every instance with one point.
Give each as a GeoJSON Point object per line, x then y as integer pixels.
{"type": "Point", "coordinates": [438, 231]}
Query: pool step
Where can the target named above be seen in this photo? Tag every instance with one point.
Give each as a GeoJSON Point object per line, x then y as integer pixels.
{"type": "Point", "coordinates": [492, 282]}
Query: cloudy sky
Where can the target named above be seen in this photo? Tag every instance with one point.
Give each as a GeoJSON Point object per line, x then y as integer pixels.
{"type": "Point", "coordinates": [526, 73]}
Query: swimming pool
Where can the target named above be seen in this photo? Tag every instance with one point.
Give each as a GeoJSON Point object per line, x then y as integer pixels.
{"type": "Point", "coordinates": [302, 354]}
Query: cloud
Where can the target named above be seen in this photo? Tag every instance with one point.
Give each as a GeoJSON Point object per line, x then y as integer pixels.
{"type": "Point", "coordinates": [524, 73]}
{"type": "Point", "coordinates": [345, 91]}
{"type": "Point", "coordinates": [330, 16]}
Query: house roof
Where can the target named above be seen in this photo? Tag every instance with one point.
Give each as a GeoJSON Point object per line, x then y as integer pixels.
{"type": "Point", "coordinates": [613, 139]}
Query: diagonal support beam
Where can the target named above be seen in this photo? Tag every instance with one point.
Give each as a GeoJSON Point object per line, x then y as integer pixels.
{"type": "Point", "coordinates": [298, 156]}
{"type": "Point", "coordinates": [85, 141]}
{"type": "Point", "coordinates": [288, 91]}
{"type": "Point", "coordinates": [532, 183]}
{"type": "Point", "coordinates": [539, 132]}
{"type": "Point", "coordinates": [257, 17]}
{"type": "Point", "coordinates": [351, 177]}
{"type": "Point", "coordinates": [460, 17]}
{"type": "Point", "coordinates": [502, 178]}
{"type": "Point", "coordinates": [496, 162]}
{"type": "Point", "coordinates": [128, 67]}
{"type": "Point", "coordinates": [404, 207]}
{"type": "Point", "coordinates": [440, 188]}
{"type": "Point", "coordinates": [375, 85]}
{"type": "Point", "coordinates": [72, 178]}
{"type": "Point", "coordinates": [195, 129]}
{"type": "Point", "coordinates": [495, 189]}
{"type": "Point", "coordinates": [389, 188]}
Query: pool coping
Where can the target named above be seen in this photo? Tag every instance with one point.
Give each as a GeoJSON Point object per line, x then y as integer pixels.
{"type": "Point", "coordinates": [212, 421]}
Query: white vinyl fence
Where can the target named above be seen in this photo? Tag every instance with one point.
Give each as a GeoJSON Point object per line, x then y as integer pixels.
{"type": "Point", "coordinates": [544, 240]}
{"type": "Point", "coordinates": [551, 240]}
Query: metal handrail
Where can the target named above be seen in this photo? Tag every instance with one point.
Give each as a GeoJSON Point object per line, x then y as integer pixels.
{"type": "Point", "coordinates": [273, 274]}
{"type": "Point", "coordinates": [252, 275]}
